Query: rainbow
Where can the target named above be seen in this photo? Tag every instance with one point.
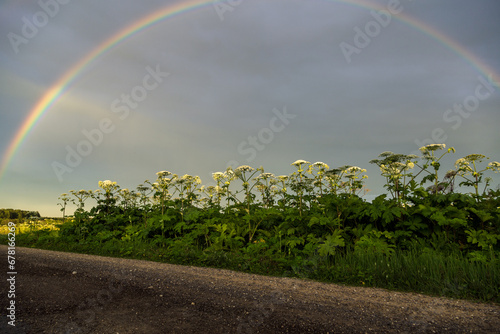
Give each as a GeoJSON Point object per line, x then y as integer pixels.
{"type": "Point", "coordinates": [62, 84]}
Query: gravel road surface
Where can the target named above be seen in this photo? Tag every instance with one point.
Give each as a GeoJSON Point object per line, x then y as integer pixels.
{"type": "Point", "coordinates": [75, 293]}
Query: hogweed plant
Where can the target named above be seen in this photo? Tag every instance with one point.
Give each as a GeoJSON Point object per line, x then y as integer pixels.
{"type": "Point", "coordinates": [299, 181]}
{"type": "Point", "coordinates": [448, 183]}
{"type": "Point", "coordinates": [280, 187]}
{"type": "Point", "coordinates": [345, 179]}
{"type": "Point", "coordinates": [244, 173]}
{"type": "Point", "coordinates": [111, 194]}
{"type": "Point", "coordinates": [144, 201]}
{"type": "Point", "coordinates": [81, 196]}
{"type": "Point", "coordinates": [318, 170]}
{"type": "Point", "coordinates": [261, 219]}
{"type": "Point", "coordinates": [219, 178]}
{"type": "Point", "coordinates": [396, 168]}
{"type": "Point", "coordinates": [161, 188]}
{"type": "Point", "coordinates": [129, 198]}
{"type": "Point", "coordinates": [64, 198]}
{"type": "Point", "coordinates": [144, 192]}
{"type": "Point", "coordinates": [161, 193]}
{"type": "Point", "coordinates": [186, 186]}
{"type": "Point", "coordinates": [210, 193]}
{"type": "Point", "coordinates": [355, 179]}
{"type": "Point", "coordinates": [109, 187]}
{"type": "Point", "coordinates": [333, 178]}
{"type": "Point", "coordinates": [309, 182]}
{"type": "Point", "coordinates": [431, 160]}
{"type": "Point", "coordinates": [222, 188]}
{"type": "Point", "coordinates": [264, 184]}
{"type": "Point", "coordinates": [467, 167]}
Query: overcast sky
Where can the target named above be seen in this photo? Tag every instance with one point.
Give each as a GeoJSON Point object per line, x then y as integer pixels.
{"type": "Point", "coordinates": [297, 76]}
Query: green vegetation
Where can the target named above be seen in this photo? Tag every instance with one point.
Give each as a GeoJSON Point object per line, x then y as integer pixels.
{"type": "Point", "coordinates": [309, 224]}
{"type": "Point", "coordinates": [14, 215]}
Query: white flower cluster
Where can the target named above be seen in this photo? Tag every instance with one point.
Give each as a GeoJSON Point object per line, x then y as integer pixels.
{"type": "Point", "coordinates": [265, 176]}
{"type": "Point", "coordinates": [218, 176]}
{"type": "Point", "coordinates": [243, 168]}
{"type": "Point", "coordinates": [395, 169]}
{"type": "Point", "coordinates": [494, 166]}
{"type": "Point", "coordinates": [432, 147]}
{"type": "Point", "coordinates": [321, 167]}
{"type": "Point", "coordinates": [298, 163]}
{"type": "Point", "coordinates": [108, 186]}
{"type": "Point", "coordinates": [224, 177]}
{"type": "Point", "coordinates": [354, 169]}
{"type": "Point", "coordinates": [163, 174]}
{"type": "Point", "coordinates": [463, 166]}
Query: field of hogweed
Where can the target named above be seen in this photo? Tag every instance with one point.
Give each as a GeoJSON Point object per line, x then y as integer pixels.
{"type": "Point", "coordinates": [426, 234]}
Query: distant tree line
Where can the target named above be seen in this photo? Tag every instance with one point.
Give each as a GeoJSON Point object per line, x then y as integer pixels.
{"type": "Point", "coordinates": [16, 214]}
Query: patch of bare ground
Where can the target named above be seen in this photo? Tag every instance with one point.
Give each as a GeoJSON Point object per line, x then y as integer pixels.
{"type": "Point", "coordinates": [74, 293]}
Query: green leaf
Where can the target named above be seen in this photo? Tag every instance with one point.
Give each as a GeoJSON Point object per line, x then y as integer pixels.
{"type": "Point", "coordinates": [397, 211]}
{"type": "Point", "coordinates": [388, 217]}
{"type": "Point", "coordinates": [330, 244]}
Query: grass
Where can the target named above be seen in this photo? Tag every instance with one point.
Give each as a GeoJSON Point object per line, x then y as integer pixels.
{"type": "Point", "coordinates": [432, 273]}
{"type": "Point", "coordinates": [428, 272]}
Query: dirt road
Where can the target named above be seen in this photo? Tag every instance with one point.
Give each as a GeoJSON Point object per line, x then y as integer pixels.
{"type": "Point", "coordinates": [73, 293]}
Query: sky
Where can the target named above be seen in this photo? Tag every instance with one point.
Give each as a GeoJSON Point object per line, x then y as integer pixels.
{"type": "Point", "coordinates": [241, 82]}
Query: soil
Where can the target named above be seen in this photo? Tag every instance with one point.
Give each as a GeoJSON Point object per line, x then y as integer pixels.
{"type": "Point", "coordinates": [76, 293]}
